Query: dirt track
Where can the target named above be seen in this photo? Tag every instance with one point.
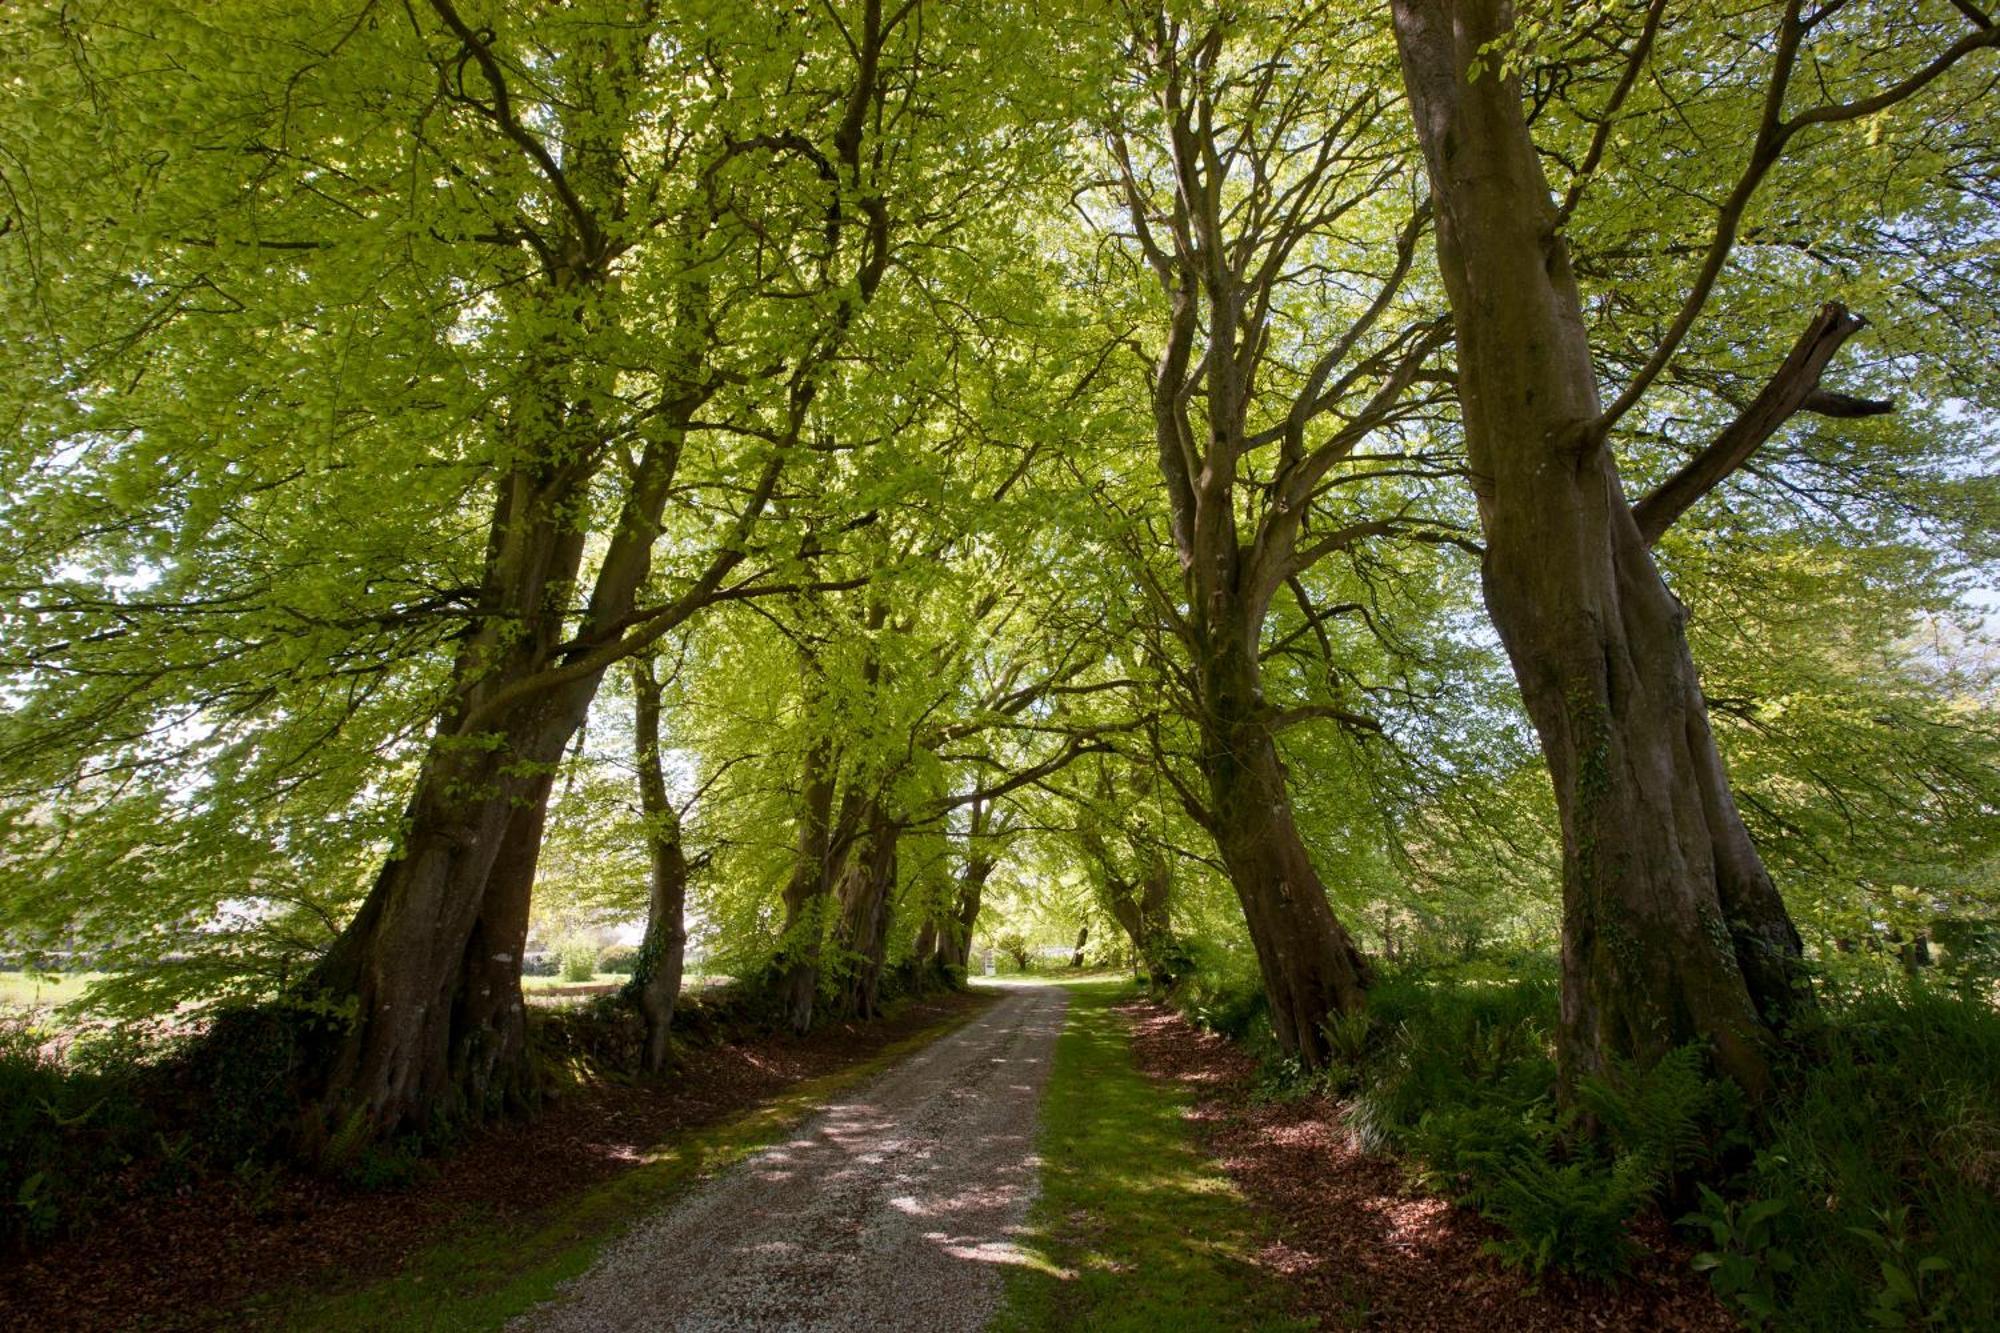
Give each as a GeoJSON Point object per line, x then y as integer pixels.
{"type": "Point", "coordinates": [895, 1207]}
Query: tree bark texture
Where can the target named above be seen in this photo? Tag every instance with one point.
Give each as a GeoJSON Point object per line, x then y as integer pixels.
{"type": "Point", "coordinates": [656, 977]}
{"type": "Point", "coordinates": [866, 898]}
{"type": "Point", "coordinates": [1310, 965]}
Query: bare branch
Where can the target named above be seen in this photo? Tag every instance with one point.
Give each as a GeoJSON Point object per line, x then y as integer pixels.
{"type": "Point", "coordinates": [1793, 389]}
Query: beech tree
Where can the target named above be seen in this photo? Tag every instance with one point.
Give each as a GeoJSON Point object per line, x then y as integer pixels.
{"type": "Point", "coordinates": [649, 241]}
{"type": "Point", "coordinates": [1235, 182]}
{"type": "Point", "coordinates": [1672, 927]}
{"type": "Point", "coordinates": [758, 471]}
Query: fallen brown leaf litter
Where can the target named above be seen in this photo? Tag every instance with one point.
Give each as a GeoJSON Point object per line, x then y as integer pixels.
{"type": "Point", "coordinates": [1360, 1247]}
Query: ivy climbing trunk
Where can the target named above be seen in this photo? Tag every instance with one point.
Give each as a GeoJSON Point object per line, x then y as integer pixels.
{"type": "Point", "coordinates": [1672, 929]}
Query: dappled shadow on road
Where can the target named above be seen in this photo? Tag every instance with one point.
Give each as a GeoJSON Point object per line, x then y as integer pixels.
{"type": "Point", "coordinates": [191, 1257]}
{"type": "Point", "coordinates": [894, 1207]}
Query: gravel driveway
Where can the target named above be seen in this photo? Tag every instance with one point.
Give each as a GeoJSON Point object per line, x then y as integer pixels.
{"type": "Point", "coordinates": [895, 1207]}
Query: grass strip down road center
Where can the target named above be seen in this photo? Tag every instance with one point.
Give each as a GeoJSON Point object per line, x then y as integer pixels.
{"type": "Point", "coordinates": [1135, 1228]}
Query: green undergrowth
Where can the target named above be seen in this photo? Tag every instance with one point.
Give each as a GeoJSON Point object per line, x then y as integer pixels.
{"type": "Point", "coordinates": [488, 1270]}
{"type": "Point", "coordinates": [69, 1128]}
{"type": "Point", "coordinates": [1866, 1195]}
{"type": "Point", "coordinates": [1134, 1228]}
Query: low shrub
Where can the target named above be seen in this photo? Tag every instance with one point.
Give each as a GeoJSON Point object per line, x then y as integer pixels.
{"type": "Point", "coordinates": [1465, 1089]}
{"type": "Point", "coordinates": [579, 960]}
{"type": "Point", "coordinates": [67, 1135]}
{"type": "Point", "coordinates": [617, 960]}
{"type": "Point", "coordinates": [1573, 1216]}
{"type": "Point", "coordinates": [1221, 990]}
{"type": "Point", "coordinates": [242, 1072]}
{"type": "Point", "coordinates": [1873, 1199]}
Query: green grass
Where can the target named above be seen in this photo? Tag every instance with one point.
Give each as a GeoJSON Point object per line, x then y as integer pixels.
{"type": "Point", "coordinates": [1135, 1229]}
{"type": "Point", "coordinates": [558, 982]}
{"type": "Point", "coordinates": [24, 990]}
{"type": "Point", "coordinates": [488, 1271]}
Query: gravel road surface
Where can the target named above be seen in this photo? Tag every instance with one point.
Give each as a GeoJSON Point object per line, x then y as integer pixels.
{"type": "Point", "coordinates": [896, 1207]}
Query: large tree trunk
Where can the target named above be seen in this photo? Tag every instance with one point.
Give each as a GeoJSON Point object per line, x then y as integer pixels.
{"type": "Point", "coordinates": [796, 968]}
{"type": "Point", "coordinates": [1672, 930]}
{"type": "Point", "coordinates": [866, 896]}
{"type": "Point", "coordinates": [433, 960]}
{"type": "Point", "coordinates": [1310, 966]}
{"type": "Point", "coordinates": [522, 685]}
{"type": "Point", "coordinates": [656, 978]}
{"type": "Point", "coordinates": [1143, 912]}
{"type": "Point", "coordinates": [956, 946]}
{"type": "Point", "coordinates": [825, 844]}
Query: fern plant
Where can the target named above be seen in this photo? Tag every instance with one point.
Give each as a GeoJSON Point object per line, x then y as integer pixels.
{"type": "Point", "coordinates": [1660, 1115]}
{"type": "Point", "coordinates": [1571, 1217]}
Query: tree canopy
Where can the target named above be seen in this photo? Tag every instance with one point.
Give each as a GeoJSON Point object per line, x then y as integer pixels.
{"type": "Point", "coordinates": [1276, 488]}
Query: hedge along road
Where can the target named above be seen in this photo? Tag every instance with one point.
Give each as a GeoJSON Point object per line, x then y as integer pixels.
{"type": "Point", "coordinates": [898, 1206]}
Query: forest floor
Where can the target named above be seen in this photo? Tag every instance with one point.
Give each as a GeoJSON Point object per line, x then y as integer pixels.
{"type": "Point", "coordinates": [1355, 1244]}
{"type": "Point", "coordinates": [1110, 1168]}
{"type": "Point", "coordinates": [479, 1235]}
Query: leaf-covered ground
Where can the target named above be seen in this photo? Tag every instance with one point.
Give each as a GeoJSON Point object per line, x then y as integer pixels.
{"type": "Point", "coordinates": [1356, 1244]}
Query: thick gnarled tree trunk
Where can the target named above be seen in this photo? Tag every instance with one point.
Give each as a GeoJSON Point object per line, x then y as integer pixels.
{"type": "Point", "coordinates": [1672, 930]}
{"type": "Point", "coordinates": [866, 899]}
{"type": "Point", "coordinates": [431, 963]}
